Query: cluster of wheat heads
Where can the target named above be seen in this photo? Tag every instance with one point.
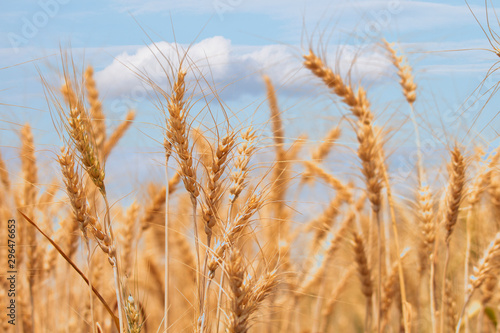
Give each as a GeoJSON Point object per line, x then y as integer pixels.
{"type": "Point", "coordinates": [221, 245]}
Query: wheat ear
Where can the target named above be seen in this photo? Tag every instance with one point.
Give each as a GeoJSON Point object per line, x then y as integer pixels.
{"type": "Point", "coordinates": [80, 132]}
{"type": "Point", "coordinates": [410, 92]}
{"type": "Point", "coordinates": [177, 139]}
{"type": "Point", "coordinates": [455, 192]}
{"type": "Point", "coordinates": [213, 195]}
{"type": "Point", "coordinates": [488, 266]}
{"type": "Point", "coordinates": [426, 218]}
{"type": "Point", "coordinates": [246, 294]}
{"type": "Point", "coordinates": [365, 277]}
{"type": "Point", "coordinates": [240, 172]}
{"type": "Point", "coordinates": [98, 118]}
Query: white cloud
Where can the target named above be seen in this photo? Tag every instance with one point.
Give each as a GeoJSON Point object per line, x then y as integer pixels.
{"type": "Point", "coordinates": [232, 68]}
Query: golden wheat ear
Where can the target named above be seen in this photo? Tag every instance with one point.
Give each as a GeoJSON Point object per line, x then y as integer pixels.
{"type": "Point", "coordinates": [213, 194]}
{"type": "Point", "coordinates": [456, 190]}
{"type": "Point", "coordinates": [404, 72]}
{"type": "Point", "coordinates": [81, 134]}
{"type": "Point", "coordinates": [241, 169]}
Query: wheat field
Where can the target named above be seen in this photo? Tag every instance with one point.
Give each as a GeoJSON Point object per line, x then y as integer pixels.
{"type": "Point", "coordinates": [233, 237]}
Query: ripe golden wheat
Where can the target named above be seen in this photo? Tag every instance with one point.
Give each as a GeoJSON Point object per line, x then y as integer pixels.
{"type": "Point", "coordinates": [229, 250]}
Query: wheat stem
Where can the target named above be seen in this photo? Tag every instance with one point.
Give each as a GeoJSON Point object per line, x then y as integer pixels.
{"type": "Point", "coordinates": [167, 252]}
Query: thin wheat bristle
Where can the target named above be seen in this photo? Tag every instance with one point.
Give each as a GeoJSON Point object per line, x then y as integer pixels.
{"type": "Point", "coordinates": [182, 244]}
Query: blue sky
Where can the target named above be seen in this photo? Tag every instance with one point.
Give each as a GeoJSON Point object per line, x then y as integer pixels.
{"type": "Point", "coordinates": [234, 43]}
